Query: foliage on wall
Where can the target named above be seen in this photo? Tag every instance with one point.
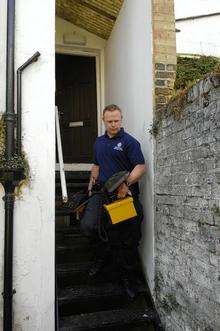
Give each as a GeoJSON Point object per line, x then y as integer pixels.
{"type": "Point", "coordinates": [16, 162]}
{"type": "Point", "coordinates": [191, 69]}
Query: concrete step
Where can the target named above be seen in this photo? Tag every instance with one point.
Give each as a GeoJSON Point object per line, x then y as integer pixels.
{"type": "Point", "coordinates": [91, 298]}
{"type": "Point", "coordinates": [69, 238]}
{"type": "Point", "coordinates": [70, 274]}
{"type": "Point", "coordinates": [74, 175]}
{"type": "Point", "coordinates": [117, 319]}
{"type": "Point", "coordinates": [74, 228]}
{"type": "Point", "coordinates": [74, 253]}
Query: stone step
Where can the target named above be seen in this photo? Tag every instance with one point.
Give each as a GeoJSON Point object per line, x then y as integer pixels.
{"type": "Point", "coordinates": [70, 241]}
{"type": "Point", "coordinates": [68, 238]}
{"type": "Point", "coordinates": [117, 319]}
{"type": "Point", "coordinates": [80, 185]}
{"type": "Point", "coordinates": [69, 229]}
{"type": "Point", "coordinates": [74, 253]}
{"type": "Point", "coordinates": [64, 212]}
{"type": "Point", "coordinates": [70, 274]}
{"type": "Point", "coordinates": [74, 175]}
{"type": "Point", "coordinates": [91, 298]}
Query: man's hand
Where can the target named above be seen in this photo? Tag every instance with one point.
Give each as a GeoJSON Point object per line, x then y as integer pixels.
{"type": "Point", "coordinates": [93, 177]}
{"type": "Point", "coordinates": [91, 183]}
{"type": "Point", "coordinates": [122, 191]}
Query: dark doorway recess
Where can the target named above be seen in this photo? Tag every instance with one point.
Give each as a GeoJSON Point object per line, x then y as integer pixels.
{"type": "Point", "coordinates": [76, 99]}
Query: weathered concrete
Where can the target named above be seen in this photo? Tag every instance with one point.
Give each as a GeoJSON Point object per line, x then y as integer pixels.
{"type": "Point", "coordinates": [187, 209]}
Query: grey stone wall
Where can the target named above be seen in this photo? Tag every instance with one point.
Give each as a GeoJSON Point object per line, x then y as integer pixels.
{"type": "Point", "coordinates": [187, 215]}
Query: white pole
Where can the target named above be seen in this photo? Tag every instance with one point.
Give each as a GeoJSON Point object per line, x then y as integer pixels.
{"type": "Point", "coordinates": [60, 159]}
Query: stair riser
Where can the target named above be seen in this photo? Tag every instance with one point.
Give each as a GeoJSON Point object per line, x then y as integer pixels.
{"type": "Point", "coordinates": [65, 231]}
{"type": "Point", "coordinates": [142, 326]}
{"type": "Point", "coordinates": [92, 305]}
{"type": "Point", "coordinates": [72, 241]}
{"type": "Point", "coordinates": [74, 256]}
{"type": "Point", "coordinates": [70, 189]}
{"type": "Point", "coordinates": [66, 280]}
{"type": "Point", "coordinates": [69, 279]}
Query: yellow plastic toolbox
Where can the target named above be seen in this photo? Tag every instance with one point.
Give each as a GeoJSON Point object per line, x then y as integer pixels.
{"type": "Point", "coordinates": [121, 210]}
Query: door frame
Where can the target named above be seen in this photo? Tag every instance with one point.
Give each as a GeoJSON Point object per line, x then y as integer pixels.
{"type": "Point", "coordinates": [99, 61]}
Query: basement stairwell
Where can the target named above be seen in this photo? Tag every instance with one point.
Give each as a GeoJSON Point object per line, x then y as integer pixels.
{"type": "Point", "coordinates": [97, 304]}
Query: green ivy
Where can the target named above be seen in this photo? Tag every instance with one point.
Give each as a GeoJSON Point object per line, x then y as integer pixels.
{"type": "Point", "coordinates": [15, 162]}
{"type": "Point", "coordinates": [191, 69]}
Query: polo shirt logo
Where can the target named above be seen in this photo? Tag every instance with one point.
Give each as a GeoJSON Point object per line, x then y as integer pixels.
{"type": "Point", "coordinates": [118, 147]}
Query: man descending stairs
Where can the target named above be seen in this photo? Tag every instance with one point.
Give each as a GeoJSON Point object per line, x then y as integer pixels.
{"type": "Point", "coordinates": [93, 303]}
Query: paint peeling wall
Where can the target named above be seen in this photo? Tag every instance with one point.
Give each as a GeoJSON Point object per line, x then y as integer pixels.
{"type": "Point", "coordinates": [34, 212]}
{"type": "Point", "coordinates": [129, 84]}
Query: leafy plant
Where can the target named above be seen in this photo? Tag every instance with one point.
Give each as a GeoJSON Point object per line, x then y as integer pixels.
{"type": "Point", "coordinates": [191, 69]}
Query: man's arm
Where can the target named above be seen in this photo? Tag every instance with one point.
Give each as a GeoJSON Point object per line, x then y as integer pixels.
{"type": "Point", "coordinates": [93, 176]}
{"type": "Point", "coordinates": [134, 176]}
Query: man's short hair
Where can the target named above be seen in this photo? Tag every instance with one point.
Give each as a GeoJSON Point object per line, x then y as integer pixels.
{"type": "Point", "coordinates": [111, 108]}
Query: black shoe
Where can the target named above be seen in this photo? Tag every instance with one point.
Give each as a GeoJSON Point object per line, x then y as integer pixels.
{"type": "Point", "coordinates": [96, 268]}
{"type": "Point", "coordinates": [130, 289]}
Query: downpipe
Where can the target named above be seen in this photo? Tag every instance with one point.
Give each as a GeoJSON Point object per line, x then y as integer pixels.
{"type": "Point", "coordinates": [8, 183]}
{"type": "Point", "coordinates": [32, 59]}
{"type": "Point", "coordinates": [9, 114]}
{"type": "Point", "coordinates": [8, 256]}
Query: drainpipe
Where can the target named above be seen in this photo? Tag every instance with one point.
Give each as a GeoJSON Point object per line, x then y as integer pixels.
{"type": "Point", "coordinates": [9, 184]}
{"type": "Point", "coordinates": [10, 115]}
{"type": "Point", "coordinates": [32, 59]}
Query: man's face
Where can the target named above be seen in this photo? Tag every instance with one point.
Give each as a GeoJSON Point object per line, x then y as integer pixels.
{"type": "Point", "coordinates": [112, 121]}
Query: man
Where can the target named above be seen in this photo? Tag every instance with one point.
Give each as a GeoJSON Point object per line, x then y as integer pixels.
{"type": "Point", "coordinates": [115, 151]}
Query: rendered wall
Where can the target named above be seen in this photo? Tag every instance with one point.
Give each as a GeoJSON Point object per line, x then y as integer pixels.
{"type": "Point", "coordinates": [199, 36]}
{"type": "Point", "coordinates": [91, 41]}
{"type": "Point", "coordinates": [33, 303]}
{"type": "Point", "coordinates": [187, 218]}
{"type": "Point", "coordinates": [128, 57]}
{"type": "Point", "coordinates": [196, 7]}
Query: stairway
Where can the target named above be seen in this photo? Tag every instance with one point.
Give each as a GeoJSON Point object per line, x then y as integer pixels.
{"type": "Point", "coordinates": [85, 304]}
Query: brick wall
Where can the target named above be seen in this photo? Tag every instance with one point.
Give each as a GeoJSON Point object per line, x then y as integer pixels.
{"type": "Point", "coordinates": [187, 212]}
{"type": "Point", "coordinates": [164, 45]}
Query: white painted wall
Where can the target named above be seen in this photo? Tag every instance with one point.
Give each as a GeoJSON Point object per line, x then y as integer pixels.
{"type": "Point", "coordinates": [196, 7]}
{"type": "Point", "coordinates": [199, 36]}
{"type": "Point", "coordinates": [64, 27]}
{"type": "Point", "coordinates": [34, 212]}
{"type": "Point", "coordinates": [129, 84]}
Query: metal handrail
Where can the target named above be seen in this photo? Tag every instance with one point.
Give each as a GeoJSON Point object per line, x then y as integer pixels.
{"type": "Point", "coordinates": [60, 158]}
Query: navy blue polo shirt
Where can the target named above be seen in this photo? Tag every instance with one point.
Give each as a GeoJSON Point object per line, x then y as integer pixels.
{"type": "Point", "coordinates": [118, 153]}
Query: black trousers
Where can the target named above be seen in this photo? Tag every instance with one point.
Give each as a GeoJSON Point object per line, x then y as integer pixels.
{"type": "Point", "coordinates": [118, 242]}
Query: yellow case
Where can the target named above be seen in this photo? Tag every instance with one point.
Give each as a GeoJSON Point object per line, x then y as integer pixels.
{"type": "Point", "coordinates": [121, 210]}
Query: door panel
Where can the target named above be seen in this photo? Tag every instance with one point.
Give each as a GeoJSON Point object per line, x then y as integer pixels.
{"type": "Point", "coordinates": [77, 103]}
